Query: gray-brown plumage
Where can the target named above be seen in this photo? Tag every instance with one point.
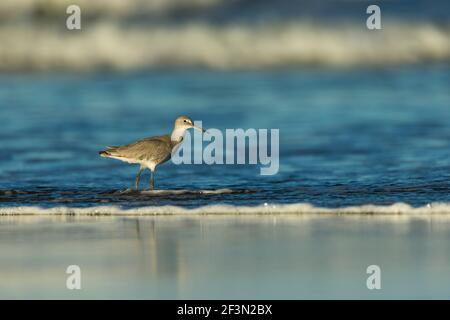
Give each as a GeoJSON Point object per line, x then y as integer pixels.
{"type": "Point", "coordinates": [150, 152]}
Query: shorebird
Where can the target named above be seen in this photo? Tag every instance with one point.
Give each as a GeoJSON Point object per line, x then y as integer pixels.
{"type": "Point", "coordinates": [152, 151]}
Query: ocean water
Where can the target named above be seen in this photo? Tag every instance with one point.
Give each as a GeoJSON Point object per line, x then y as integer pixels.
{"type": "Point", "coordinates": [348, 137]}
{"type": "Point", "coordinates": [364, 149]}
{"type": "Point", "coordinates": [220, 35]}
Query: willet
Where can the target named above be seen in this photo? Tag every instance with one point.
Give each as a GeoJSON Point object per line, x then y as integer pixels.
{"type": "Point", "coordinates": [152, 151]}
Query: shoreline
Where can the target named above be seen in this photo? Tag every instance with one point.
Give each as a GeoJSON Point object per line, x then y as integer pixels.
{"type": "Point", "coordinates": [296, 209]}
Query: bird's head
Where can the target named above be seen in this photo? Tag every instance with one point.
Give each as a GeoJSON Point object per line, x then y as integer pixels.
{"type": "Point", "coordinates": [185, 123]}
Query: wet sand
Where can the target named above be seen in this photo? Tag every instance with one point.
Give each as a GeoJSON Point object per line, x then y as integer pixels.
{"type": "Point", "coordinates": [230, 257]}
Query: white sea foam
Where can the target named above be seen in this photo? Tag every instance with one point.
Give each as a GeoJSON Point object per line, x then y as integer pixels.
{"type": "Point", "coordinates": [398, 209]}
{"type": "Point", "coordinates": [108, 45]}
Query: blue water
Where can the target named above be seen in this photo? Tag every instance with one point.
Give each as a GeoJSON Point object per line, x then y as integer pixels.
{"type": "Point", "coordinates": [347, 137]}
{"type": "Point", "coordinates": [265, 10]}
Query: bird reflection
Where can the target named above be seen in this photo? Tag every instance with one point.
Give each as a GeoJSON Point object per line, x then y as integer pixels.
{"type": "Point", "coordinates": [161, 258]}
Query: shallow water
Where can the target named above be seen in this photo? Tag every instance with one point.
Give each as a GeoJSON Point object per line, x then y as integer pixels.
{"type": "Point", "coordinates": [364, 177]}
{"type": "Point", "coordinates": [225, 257]}
{"type": "Point", "coordinates": [347, 137]}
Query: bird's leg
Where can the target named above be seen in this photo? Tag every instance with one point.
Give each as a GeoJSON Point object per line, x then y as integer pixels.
{"type": "Point", "coordinates": [137, 178]}
{"type": "Point", "coordinates": [152, 180]}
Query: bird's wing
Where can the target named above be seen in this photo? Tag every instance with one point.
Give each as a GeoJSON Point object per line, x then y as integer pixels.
{"type": "Point", "coordinates": [149, 149]}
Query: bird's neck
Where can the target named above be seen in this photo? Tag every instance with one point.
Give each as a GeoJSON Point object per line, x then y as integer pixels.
{"type": "Point", "coordinates": [177, 135]}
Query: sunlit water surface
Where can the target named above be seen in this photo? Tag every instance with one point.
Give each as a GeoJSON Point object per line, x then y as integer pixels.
{"type": "Point", "coordinates": [347, 137]}
{"type": "Point", "coordinates": [225, 257]}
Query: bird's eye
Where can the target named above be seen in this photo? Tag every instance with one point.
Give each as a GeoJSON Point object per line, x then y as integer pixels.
{"type": "Point", "coordinates": [184, 120]}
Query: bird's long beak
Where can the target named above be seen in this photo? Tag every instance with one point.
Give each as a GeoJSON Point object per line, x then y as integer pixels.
{"type": "Point", "coordinates": [198, 128]}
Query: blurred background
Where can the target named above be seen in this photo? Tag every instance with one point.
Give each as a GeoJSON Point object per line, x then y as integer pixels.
{"type": "Point", "coordinates": [363, 114]}
{"type": "Point", "coordinates": [219, 34]}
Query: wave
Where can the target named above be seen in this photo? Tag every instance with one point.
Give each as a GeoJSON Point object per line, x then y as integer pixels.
{"type": "Point", "coordinates": [246, 46]}
{"type": "Point", "coordinates": [145, 10]}
{"type": "Point", "coordinates": [51, 10]}
{"type": "Point", "coordinates": [398, 209]}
